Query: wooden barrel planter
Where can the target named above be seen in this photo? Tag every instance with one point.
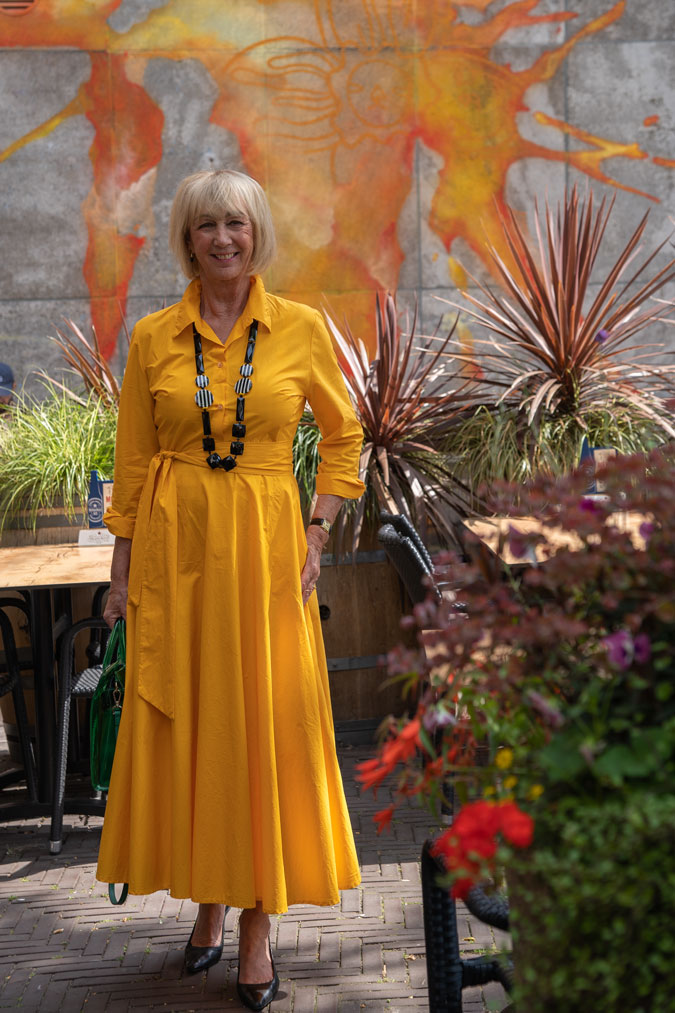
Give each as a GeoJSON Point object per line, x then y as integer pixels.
{"type": "Point", "coordinates": [361, 604]}
{"type": "Point", "coordinates": [52, 527]}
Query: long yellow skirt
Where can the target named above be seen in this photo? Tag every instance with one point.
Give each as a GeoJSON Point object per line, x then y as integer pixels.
{"type": "Point", "coordinates": [225, 786]}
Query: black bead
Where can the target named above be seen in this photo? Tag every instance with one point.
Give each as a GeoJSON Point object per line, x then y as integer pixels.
{"type": "Point", "coordinates": [236, 447]}
{"type": "Point", "coordinates": [240, 409]}
{"type": "Point", "coordinates": [214, 461]}
{"type": "Point", "coordinates": [238, 430]}
{"type": "Point", "coordinates": [228, 463]}
{"type": "Point", "coordinates": [208, 443]}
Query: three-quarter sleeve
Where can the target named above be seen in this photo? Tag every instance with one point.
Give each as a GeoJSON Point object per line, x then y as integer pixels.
{"type": "Point", "coordinates": [135, 446]}
{"type": "Point", "coordinates": [342, 436]}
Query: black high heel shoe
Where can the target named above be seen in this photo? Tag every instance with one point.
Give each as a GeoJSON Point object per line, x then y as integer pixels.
{"type": "Point", "coordinates": [257, 997]}
{"type": "Point", "coordinates": [198, 958]}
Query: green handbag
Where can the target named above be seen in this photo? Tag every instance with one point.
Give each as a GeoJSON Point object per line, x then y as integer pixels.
{"type": "Point", "coordinates": [106, 708]}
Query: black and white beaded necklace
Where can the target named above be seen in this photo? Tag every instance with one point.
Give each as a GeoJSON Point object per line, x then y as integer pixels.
{"type": "Point", "coordinates": [204, 400]}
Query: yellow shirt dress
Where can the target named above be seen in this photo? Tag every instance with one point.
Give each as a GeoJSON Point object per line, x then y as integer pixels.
{"type": "Point", "coordinates": [225, 786]}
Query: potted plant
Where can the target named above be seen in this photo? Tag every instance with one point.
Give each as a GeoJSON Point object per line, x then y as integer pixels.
{"type": "Point", "coordinates": [50, 445]}
{"type": "Point", "coordinates": [406, 398]}
{"type": "Point", "coordinates": [48, 448]}
{"type": "Point", "coordinates": [561, 361]}
{"type": "Point", "coordinates": [566, 675]}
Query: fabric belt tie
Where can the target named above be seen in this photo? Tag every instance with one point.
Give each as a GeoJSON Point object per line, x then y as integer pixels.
{"type": "Point", "coordinates": [154, 564]}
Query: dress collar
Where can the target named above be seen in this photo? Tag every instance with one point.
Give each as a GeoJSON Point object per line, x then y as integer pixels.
{"type": "Point", "coordinates": [256, 308]}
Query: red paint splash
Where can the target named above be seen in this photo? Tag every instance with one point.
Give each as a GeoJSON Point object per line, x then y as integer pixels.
{"type": "Point", "coordinates": [127, 143]}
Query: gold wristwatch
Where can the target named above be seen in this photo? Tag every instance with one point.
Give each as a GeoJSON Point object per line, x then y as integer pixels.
{"type": "Point", "coordinates": [323, 523]}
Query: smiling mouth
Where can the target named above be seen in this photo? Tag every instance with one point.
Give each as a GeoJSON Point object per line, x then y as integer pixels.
{"type": "Point", "coordinates": [224, 256]}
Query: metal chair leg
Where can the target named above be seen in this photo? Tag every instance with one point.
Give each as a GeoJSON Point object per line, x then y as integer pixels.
{"type": "Point", "coordinates": [62, 729]}
{"type": "Point", "coordinates": [444, 966]}
{"type": "Point", "coordinates": [447, 972]}
{"type": "Point", "coordinates": [20, 711]}
{"type": "Point", "coordinates": [66, 669]}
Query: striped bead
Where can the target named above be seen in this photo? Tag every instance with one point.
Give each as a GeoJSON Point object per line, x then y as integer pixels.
{"type": "Point", "coordinates": [243, 386]}
{"type": "Point", "coordinates": [204, 398]}
{"type": "Point", "coordinates": [202, 380]}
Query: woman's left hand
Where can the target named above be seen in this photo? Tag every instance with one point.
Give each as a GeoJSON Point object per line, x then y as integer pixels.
{"type": "Point", "coordinates": [326, 506]}
{"type": "Point", "coordinates": [310, 571]}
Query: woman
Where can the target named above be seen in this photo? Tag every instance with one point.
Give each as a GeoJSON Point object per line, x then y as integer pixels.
{"type": "Point", "coordinates": [225, 786]}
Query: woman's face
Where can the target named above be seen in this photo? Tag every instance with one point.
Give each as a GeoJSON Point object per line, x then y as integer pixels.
{"type": "Point", "coordinates": [223, 247]}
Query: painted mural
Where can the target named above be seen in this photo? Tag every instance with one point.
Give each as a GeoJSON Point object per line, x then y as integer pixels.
{"type": "Point", "coordinates": [326, 116]}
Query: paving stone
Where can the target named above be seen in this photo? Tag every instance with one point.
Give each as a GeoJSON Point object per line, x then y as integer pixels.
{"type": "Point", "coordinates": [330, 960]}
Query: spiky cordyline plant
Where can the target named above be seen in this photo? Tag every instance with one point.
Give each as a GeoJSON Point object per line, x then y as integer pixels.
{"type": "Point", "coordinates": [404, 399]}
{"type": "Point", "coordinates": [89, 363]}
{"type": "Point", "coordinates": [563, 351]}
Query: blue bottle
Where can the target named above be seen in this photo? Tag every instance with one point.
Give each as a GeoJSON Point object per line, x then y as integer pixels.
{"type": "Point", "coordinates": [95, 500]}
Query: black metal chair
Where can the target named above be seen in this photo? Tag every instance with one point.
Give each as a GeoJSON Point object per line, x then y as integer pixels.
{"type": "Point", "coordinates": [447, 973]}
{"type": "Point", "coordinates": [72, 686]}
{"type": "Point", "coordinates": [406, 528]}
{"type": "Point", "coordinates": [10, 682]}
{"type": "Point", "coordinates": [413, 567]}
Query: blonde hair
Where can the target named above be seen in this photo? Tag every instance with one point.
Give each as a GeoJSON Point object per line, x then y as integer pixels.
{"type": "Point", "coordinates": [221, 192]}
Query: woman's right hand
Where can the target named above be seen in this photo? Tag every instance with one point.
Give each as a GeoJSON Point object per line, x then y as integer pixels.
{"type": "Point", "coordinates": [116, 605]}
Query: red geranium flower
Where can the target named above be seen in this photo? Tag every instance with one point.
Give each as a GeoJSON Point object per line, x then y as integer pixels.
{"type": "Point", "coordinates": [517, 826]}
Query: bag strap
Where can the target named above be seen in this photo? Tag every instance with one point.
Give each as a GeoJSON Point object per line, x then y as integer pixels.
{"type": "Point", "coordinates": [123, 896]}
{"type": "Point", "coordinates": [115, 652]}
{"type": "Point", "coordinates": [116, 648]}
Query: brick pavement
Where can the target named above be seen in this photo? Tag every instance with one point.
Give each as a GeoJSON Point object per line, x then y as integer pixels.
{"type": "Point", "coordinates": [63, 946]}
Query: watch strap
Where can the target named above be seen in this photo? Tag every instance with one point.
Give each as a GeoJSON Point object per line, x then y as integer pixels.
{"type": "Point", "coordinates": [323, 523]}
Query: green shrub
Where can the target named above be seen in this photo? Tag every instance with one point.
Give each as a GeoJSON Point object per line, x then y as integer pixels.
{"type": "Point", "coordinates": [563, 676]}
{"type": "Point", "coordinates": [592, 905]}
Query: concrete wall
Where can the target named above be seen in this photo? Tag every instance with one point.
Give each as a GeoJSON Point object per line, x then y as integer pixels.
{"type": "Point", "coordinates": [386, 132]}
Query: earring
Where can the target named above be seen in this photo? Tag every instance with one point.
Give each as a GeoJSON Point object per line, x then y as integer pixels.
{"type": "Point", "coordinates": [192, 256]}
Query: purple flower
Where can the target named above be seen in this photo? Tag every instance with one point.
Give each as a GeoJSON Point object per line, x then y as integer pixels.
{"type": "Point", "coordinates": [642, 648]}
{"type": "Point", "coordinates": [619, 649]}
{"type": "Point", "coordinates": [437, 717]}
{"type": "Point", "coordinates": [602, 336]}
{"type": "Point", "coordinates": [646, 529]}
{"type": "Point", "coordinates": [623, 649]}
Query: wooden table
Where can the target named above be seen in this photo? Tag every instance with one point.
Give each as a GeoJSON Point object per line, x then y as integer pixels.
{"type": "Point", "coordinates": [491, 530]}
{"type": "Point", "coordinates": [40, 570]}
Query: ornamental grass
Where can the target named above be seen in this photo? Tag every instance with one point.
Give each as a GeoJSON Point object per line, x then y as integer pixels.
{"type": "Point", "coordinates": [49, 447]}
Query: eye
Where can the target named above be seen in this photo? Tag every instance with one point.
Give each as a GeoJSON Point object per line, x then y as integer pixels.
{"type": "Point", "coordinates": [205, 225]}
